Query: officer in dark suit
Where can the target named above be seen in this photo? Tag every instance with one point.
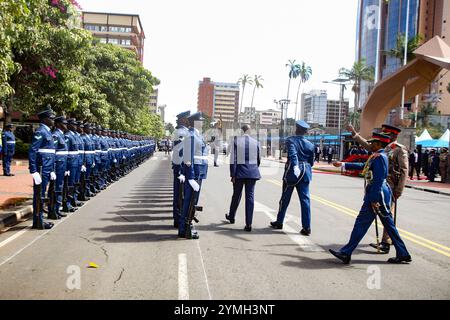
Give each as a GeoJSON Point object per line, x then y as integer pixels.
{"type": "Point", "coordinates": [297, 174]}
{"type": "Point", "coordinates": [244, 162]}
{"type": "Point", "coordinates": [8, 143]}
{"type": "Point", "coordinates": [61, 153]}
{"type": "Point", "coordinates": [377, 202]}
{"type": "Point", "coordinates": [41, 157]}
{"type": "Point", "coordinates": [195, 169]}
{"type": "Point", "coordinates": [180, 133]}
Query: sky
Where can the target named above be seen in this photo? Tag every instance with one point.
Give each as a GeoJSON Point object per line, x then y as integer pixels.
{"type": "Point", "coordinates": [187, 40]}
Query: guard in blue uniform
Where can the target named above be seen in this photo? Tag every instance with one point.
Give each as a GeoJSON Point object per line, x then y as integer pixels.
{"type": "Point", "coordinates": [9, 144]}
{"type": "Point", "coordinates": [72, 160]}
{"type": "Point", "coordinates": [61, 153]}
{"type": "Point", "coordinates": [195, 170]}
{"type": "Point", "coordinates": [89, 157]}
{"type": "Point", "coordinates": [377, 202]}
{"type": "Point", "coordinates": [81, 164]}
{"type": "Point", "coordinates": [41, 157]}
{"type": "Point", "coordinates": [180, 133]}
{"type": "Point", "coordinates": [297, 174]}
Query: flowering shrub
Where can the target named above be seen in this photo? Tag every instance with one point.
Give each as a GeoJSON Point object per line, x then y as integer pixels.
{"type": "Point", "coordinates": [51, 71]}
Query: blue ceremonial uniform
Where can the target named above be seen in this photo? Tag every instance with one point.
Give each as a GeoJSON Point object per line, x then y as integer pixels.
{"type": "Point", "coordinates": [41, 160]}
{"type": "Point", "coordinates": [89, 155]}
{"type": "Point", "coordinates": [8, 143]}
{"type": "Point", "coordinates": [301, 154]}
{"type": "Point", "coordinates": [377, 190]}
{"type": "Point", "coordinates": [61, 155]}
{"type": "Point", "coordinates": [195, 167]}
{"type": "Point", "coordinates": [72, 158]}
{"type": "Point", "coordinates": [177, 168]}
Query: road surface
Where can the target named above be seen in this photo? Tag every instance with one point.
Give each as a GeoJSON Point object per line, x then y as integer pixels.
{"type": "Point", "coordinates": [127, 232]}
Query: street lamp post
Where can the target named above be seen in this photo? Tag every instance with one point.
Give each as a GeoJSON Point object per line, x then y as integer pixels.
{"type": "Point", "coordinates": [341, 82]}
{"type": "Point", "coordinates": [284, 103]}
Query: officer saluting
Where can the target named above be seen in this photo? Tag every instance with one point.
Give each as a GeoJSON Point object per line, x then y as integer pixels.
{"type": "Point", "coordinates": [398, 170]}
{"type": "Point", "coordinates": [177, 166]}
{"type": "Point", "coordinates": [9, 143]}
{"type": "Point", "coordinates": [298, 174]}
{"type": "Point", "coordinates": [195, 169]}
{"type": "Point", "coordinates": [377, 202]}
{"type": "Point", "coordinates": [42, 165]}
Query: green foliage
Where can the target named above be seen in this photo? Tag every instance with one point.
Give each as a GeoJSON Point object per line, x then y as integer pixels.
{"type": "Point", "coordinates": [45, 58]}
{"type": "Point", "coordinates": [426, 110]}
{"type": "Point", "coordinates": [399, 50]}
{"type": "Point", "coordinates": [21, 149]}
{"type": "Point", "coordinates": [435, 130]}
{"type": "Point", "coordinates": [360, 71]}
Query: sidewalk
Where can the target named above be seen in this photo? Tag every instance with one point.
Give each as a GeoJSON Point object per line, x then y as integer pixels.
{"type": "Point", "coordinates": [423, 185]}
{"type": "Point", "coordinates": [15, 195]}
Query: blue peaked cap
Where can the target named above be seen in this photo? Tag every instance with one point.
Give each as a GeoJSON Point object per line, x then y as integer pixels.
{"type": "Point", "coordinates": [302, 124]}
{"type": "Point", "coordinates": [184, 115]}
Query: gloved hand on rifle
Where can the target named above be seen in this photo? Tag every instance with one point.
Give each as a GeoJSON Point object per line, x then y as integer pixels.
{"type": "Point", "coordinates": [115, 160]}
{"type": "Point", "coordinates": [67, 173]}
{"type": "Point", "coordinates": [83, 168]}
{"type": "Point", "coordinates": [36, 178]}
{"type": "Point", "coordinates": [182, 178]}
{"type": "Point", "coordinates": [93, 165]}
{"type": "Point", "coordinates": [194, 185]}
{"type": "Point", "coordinates": [52, 176]}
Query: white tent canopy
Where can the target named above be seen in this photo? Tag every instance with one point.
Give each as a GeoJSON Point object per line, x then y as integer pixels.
{"type": "Point", "coordinates": [446, 136]}
{"type": "Point", "coordinates": [424, 136]}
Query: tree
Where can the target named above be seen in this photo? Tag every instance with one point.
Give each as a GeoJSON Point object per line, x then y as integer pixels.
{"type": "Point", "coordinates": [294, 71]}
{"type": "Point", "coordinates": [257, 84]}
{"type": "Point", "coordinates": [169, 126]}
{"type": "Point", "coordinates": [305, 73]}
{"type": "Point", "coordinates": [243, 81]}
{"type": "Point", "coordinates": [359, 72]}
{"type": "Point", "coordinates": [399, 50]}
{"type": "Point", "coordinates": [425, 112]}
{"type": "Point", "coordinates": [354, 119]}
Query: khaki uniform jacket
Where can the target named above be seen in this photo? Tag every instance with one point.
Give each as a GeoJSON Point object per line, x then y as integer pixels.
{"type": "Point", "coordinates": [397, 155]}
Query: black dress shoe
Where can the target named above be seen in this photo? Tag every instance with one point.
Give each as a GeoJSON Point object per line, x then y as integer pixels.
{"type": "Point", "coordinates": [175, 224]}
{"type": "Point", "coordinates": [53, 217]}
{"type": "Point", "coordinates": [400, 259]}
{"type": "Point", "coordinates": [9, 175]}
{"type": "Point", "coordinates": [383, 247]}
{"type": "Point", "coordinates": [276, 225]}
{"type": "Point", "coordinates": [305, 232]}
{"type": "Point", "coordinates": [227, 216]}
{"type": "Point", "coordinates": [62, 214]}
{"type": "Point", "coordinates": [248, 228]}
{"type": "Point", "coordinates": [341, 256]}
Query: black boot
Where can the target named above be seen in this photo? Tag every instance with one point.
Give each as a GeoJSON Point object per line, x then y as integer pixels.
{"type": "Point", "coordinates": [276, 225]}
{"type": "Point", "coordinates": [399, 260]}
{"type": "Point", "coordinates": [341, 256]}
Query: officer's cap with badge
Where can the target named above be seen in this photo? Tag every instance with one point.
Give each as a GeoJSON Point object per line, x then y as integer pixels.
{"type": "Point", "coordinates": [384, 138]}
{"type": "Point", "coordinates": [302, 124]}
{"type": "Point", "coordinates": [72, 121]}
{"type": "Point", "coordinates": [198, 116]}
{"type": "Point", "coordinates": [388, 129]}
{"type": "Point", "coordinates": [184, 114]}
{"type": "Point", "coordinates": [46, 114]}
{"type": "Point", "coordinates": [61, 119]}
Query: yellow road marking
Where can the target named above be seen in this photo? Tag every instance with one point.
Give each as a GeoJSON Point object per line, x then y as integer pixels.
{"type": "Point", "coordinates": [405, 234]}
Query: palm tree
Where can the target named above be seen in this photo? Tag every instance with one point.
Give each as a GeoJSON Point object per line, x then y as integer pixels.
{"type": "Point", "coordinates": [425, 112]}
{"type": "Point", "coordinates": [258, 84]}
{"type": "Point", "coordinates": [354, 119]}
{"type": "Point", "coordinates": [244, 80]}
{"type": "Point", "coordinates": [399, 50]}
{"type": "Point", "coordinates": [359, 72]}
{"type": "Point", "coordinates": [293, 73]}
{"type": "Point", "coordinates": [305, 73]}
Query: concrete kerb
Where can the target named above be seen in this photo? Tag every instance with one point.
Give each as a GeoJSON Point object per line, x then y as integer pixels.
{"type": "Point", "coordinates": [9, 218]}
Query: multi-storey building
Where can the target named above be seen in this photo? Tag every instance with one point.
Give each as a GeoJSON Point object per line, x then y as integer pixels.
{"type": "Point", "coordinates": [333, 113]}
{"type": "Point", "coordinates": [124, 30]}
{"type": "Point", "coordinates": [314, 107]}
{"type": "Point", "coordinates": [153, 105]}
{"type": "Point", "coordinates": [218, 100]}
{"type": "Point", "coordinates": [268, 117]}
{"type": "Point", "coordinates": [427, 18]}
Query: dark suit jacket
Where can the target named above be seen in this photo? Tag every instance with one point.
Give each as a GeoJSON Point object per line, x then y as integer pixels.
{"type": "Point", "coordinates": [245, 158]}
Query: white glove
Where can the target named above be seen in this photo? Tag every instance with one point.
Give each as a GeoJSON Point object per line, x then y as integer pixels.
{"type": "Point", "coordinates": [182, 178]}
{"type": "Point", "coordinates": [67, 173]}
{"type": "Point", "coordinates": [52, 176]}
{"type": "Point", "coordinates": [194, 185]}
{"type": "Point", "coordinates": [37, 178]}
{"type": "Point", "coordinates": [115, 161]}
{"type": "Point", "coordinates": [83, 168]}
{"type": "Point", "coordinates": [123, 157]}
{"type": "Point", "coordinates": [297, 171]}
{"type": "Point", "coordinates": [93, 165]}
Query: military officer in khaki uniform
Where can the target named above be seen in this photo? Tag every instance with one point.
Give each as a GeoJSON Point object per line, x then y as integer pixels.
{"type": "Point", "coordinates": [398, 171]}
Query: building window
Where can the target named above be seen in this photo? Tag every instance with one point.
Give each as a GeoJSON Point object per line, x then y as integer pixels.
{"type": "Point", "coordinates": [115, 41]}
{"type": "Point", "coordinates": [103, 40]}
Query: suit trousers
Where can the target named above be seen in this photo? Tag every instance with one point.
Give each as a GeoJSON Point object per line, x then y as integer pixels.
{"type": "Point", "coordinates": [238, 186]}
{"type": "Point", "coordinates": [305, 203]}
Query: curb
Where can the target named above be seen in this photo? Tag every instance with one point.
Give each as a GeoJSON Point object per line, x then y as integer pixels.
{"type": "Point", "coordinates": [14, 217]}
{"type": "Point", "coordinates": [428, 190]}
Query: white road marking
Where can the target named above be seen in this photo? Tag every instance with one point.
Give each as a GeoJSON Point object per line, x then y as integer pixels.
{"type": "Point", "coordinates": [304, 243]}
{"type": "Point", "coordinates": [204, 270]}
{"type": "Point", "coordinates": [41, 235]}
{"type": "Point", "coordinates": [13, 237]}
{"type": "Point", "coordinates": [183, 286]}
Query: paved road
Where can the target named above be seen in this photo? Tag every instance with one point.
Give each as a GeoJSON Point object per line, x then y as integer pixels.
{"type": "Point", "coordinates": [127, 231]}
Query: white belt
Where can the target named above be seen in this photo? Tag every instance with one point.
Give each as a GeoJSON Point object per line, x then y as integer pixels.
{"type": "Point", "coordinates": [11, 142]}
{"type": "Point", "coordinates": [104, 151]}
{"type": "Point", "coordinates": [46, 150]}
{"type": "Point", "coordinates": [72, 153]}
{"type": "Point", "coordinates": [98, 150]}
{"type": "Point", "coordinates": [89, 152]}
{"type": "Point", "coordinates": [201, 157]}
{"type": "Point", "coordinates": [62, 153]}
